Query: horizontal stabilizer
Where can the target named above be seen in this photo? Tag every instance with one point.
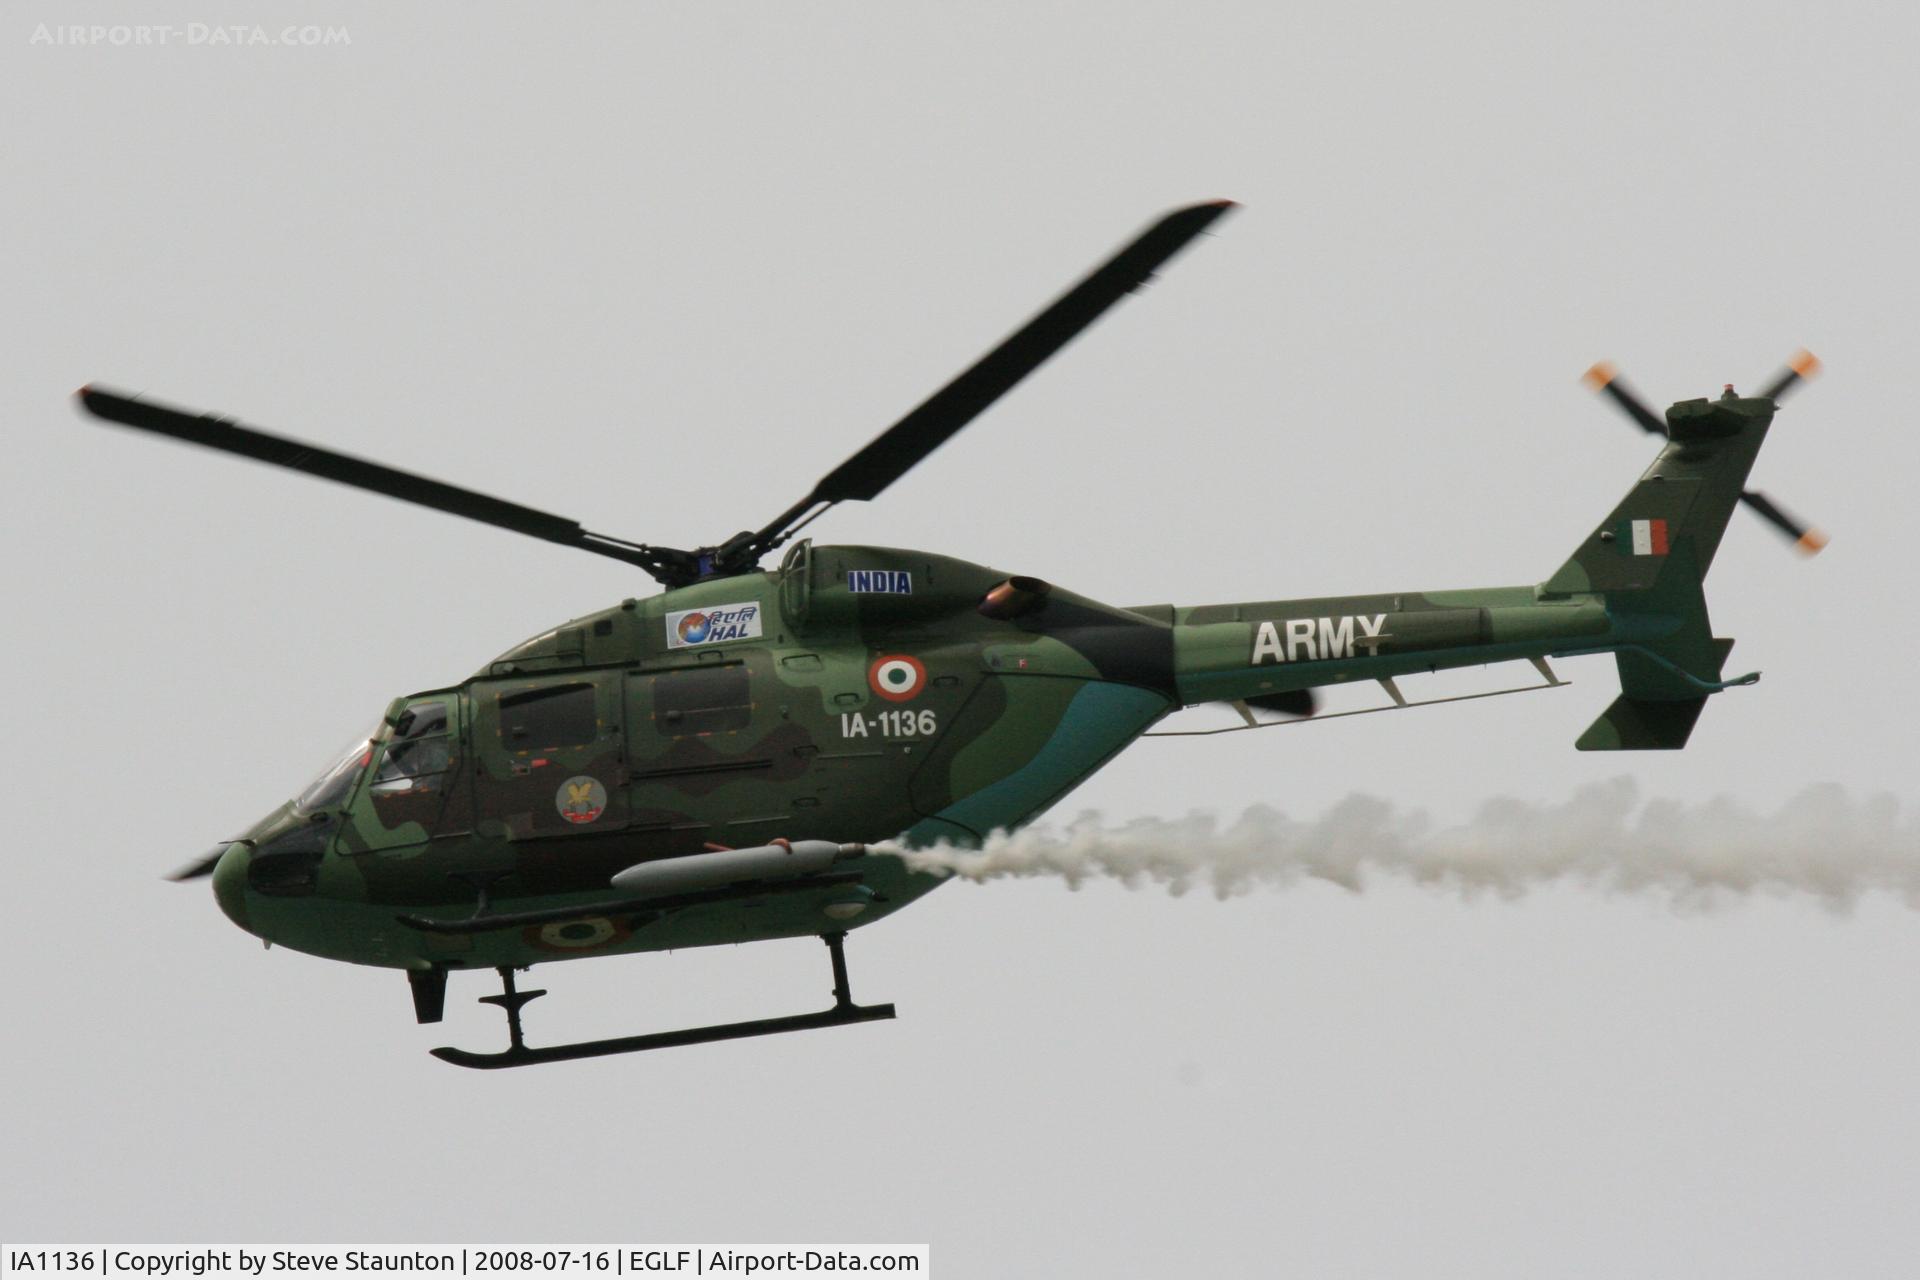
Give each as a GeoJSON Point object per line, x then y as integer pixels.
{"type": "Point", "coordinates": [1633, 724]}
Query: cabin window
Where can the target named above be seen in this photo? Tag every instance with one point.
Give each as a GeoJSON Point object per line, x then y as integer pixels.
{"type": "Point", "coordinates": [702, 700]}
{"type": "Point", "coordinates": [548, 716]}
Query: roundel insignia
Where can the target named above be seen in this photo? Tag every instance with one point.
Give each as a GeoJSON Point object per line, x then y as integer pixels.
{"type": "Point", "coordinates": [580, 799]}
{"type": "Point", "coordinates": [897, 677]}
{"type": "Point", "coordinates": [694, 628]}
{"type": "Point", "coordinates": [576, 935]}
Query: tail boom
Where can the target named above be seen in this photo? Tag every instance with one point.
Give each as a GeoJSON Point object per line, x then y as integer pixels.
{"type": "Point", "coordinates": [1633, 588]}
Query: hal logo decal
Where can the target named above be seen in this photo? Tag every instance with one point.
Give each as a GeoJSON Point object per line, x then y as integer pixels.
{"type": "Point", "coordinates": [1318, 639]}
{"type": "Point", "coordinates": [880, 582]}
{"type": "Point", "coordinates": [691, 627]}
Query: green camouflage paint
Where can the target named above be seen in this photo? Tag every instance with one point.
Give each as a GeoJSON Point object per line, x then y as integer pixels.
{"type": "Point", "coordinates": [858, 694]}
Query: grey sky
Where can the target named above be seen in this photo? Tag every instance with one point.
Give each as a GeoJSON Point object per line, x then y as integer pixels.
{"type": "Point", "coordinates": [657, 267]}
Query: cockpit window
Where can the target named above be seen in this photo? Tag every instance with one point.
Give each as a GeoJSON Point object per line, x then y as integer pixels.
{"type": "Point", "coordinates": [417, 754]}
{"type": "Point", "coordinates": [331, 788]}
{"type": "Point", "coordinates": [421, 719]}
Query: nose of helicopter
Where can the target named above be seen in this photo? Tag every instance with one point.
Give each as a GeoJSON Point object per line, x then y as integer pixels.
{"type": "Point", "coordinates": [230, 883]}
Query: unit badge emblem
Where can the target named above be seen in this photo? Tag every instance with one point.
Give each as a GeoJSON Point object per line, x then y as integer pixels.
{"type": "Point", "coordinates": [581, 799]}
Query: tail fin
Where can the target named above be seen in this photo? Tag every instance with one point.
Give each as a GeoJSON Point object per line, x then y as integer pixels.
{"type": "Point", "coordinates": [1648, 562]}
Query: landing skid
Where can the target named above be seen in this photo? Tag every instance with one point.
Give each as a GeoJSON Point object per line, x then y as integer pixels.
{"type": "Point", "coordinates": [519, 1054]}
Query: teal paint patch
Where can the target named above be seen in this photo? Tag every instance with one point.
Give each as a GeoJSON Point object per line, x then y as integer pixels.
{"type": "Point", "coordinates": [1101, 719]}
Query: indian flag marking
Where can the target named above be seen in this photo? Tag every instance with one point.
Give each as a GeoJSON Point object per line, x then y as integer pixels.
{"type": "Point", "coordinates": [1649, 537]}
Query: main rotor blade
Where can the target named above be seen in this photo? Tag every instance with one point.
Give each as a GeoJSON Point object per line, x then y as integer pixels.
{"type": "Point", "coordinates": [229, 436]}
{"type": "Point", "coordinates": [200, 866]}
{"type": "Point", "coordinates": [896, 450]}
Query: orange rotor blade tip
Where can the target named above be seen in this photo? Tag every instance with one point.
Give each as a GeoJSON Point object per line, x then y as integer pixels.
{"type": "Point", "coordinates": [1804, 363]}
{"type": "Point", "coordinates": [1600, 375]}
{"type": "Point", "coordinates": [1811, 543]}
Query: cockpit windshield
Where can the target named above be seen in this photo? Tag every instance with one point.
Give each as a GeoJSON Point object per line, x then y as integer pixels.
{"type": "Point", "coordinates": [331, 788]}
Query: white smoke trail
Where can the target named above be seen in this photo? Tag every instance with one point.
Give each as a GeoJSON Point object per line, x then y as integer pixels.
{"type": "Point", "coordinates": [1823, 843]}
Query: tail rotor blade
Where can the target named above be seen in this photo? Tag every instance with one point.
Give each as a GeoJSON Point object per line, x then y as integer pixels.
{"type": "Point", "coordinates": [1806, 539]}
{"type": "Point", "coordinates": [1803, 366]}
{"type": "Point", "coordinates": [1603, 377]}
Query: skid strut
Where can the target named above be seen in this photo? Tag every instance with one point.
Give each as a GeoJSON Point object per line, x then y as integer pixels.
{"type": "Point", "coordinates": [519, 1054]}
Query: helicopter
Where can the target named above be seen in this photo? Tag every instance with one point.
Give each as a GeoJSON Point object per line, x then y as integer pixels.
{"type": "Point", "coordinates": [729, 760]}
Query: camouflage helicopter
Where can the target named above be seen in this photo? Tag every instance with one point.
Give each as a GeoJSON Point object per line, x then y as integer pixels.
{"type": "Point", "coordinates": [716, 763]}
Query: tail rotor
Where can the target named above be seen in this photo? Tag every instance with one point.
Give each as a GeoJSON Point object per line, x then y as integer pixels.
{"type": "Point", "coordinates": [1806, 539]}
